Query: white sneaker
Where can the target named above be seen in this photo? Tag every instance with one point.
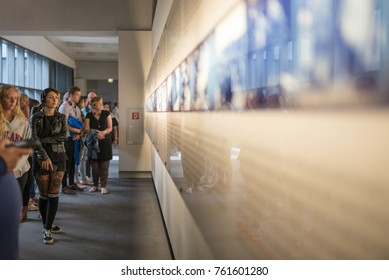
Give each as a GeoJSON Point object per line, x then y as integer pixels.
{"type": "Point", "coordinates": [47, 237]}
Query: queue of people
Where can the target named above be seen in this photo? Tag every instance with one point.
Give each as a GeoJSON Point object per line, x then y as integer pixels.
{"type": "Point", "coordinates": [69, 148]}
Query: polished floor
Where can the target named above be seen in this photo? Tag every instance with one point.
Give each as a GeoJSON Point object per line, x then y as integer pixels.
{"type": "Point", "coordinates": [124, 224]}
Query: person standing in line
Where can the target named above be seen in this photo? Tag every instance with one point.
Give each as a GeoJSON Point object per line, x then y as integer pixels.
{"type": "Point", "coordinates": [25, 105]}
{"type": "Point", "coordinates": [25, 108]}
{"type": "Point", "coordinates": [83, 157]}
{"type": "Point", "coordinates": [115, 126]}
{"type": "Point", "coordinates": [70, 108]}
{"type": "Point", "coordinates": [88, 106]}
{"type": "Point", "coordinates": [115, 110]}
{"type": "Point", "coordinates": [98, 124]}
{"type": "Point", "coordinates": [10, 200]}
{"type": "Point", "coordinates": [49, 130]}
{"type": "Point", "coordinates": [85, 111]}
{"type": "Point", "coordinates": [33, 105]}
{"type": "Point", "coordinates": [64, 98]}
{"type": "Point", "coordinates": [14, 126]}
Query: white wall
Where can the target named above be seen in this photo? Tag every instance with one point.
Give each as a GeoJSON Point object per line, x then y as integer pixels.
{"type": "Point", "coordinates": [185, 236]}
{"type": "Point", "coordinates": [107, 91]}
{"type": "Point", "coordinates": [134, 62]}
{"type": "Point", "coordinates": [90, 70]}
{"type": "Point", "coordinates": [161, 14]}
{"type": "Point", "coordinates": [82, 84]}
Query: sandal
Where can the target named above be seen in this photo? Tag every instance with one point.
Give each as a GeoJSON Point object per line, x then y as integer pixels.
{"type": "Point", "coordinates": [86, 182]}
{"type": "Point", "coordinates": [93, 189]}
{"type": "Point", "coordinates": [32, 207]}
{"type": "Point", "coordinates": [80, 186]}
{"type": "Point", "coordinates": [104, 191]}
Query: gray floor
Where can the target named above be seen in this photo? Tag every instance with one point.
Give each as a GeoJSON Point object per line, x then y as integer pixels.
{"type": "Point", "coordinates": [125, 224]}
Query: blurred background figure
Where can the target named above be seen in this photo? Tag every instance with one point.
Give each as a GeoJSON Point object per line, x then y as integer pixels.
{"type": "Point", "coordinates": [115, 125]}
{"type": "Point", "coordinates": [81, 177]}
{"type": "Point", "coordinates": [115, 110]}
{"type": "Point", "coordinates": [30, 184]}
{"type": "Point", "coordinates": [25, 105]}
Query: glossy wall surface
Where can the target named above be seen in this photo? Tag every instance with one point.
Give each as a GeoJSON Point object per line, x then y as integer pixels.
{"type": "Point", "coordinates": [300, 185]}
{"type": "Point", "coordinates": [274, 133]}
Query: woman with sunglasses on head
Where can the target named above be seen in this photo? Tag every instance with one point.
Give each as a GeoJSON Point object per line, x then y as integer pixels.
{"type": "Point", "coordinates": [49, 133]}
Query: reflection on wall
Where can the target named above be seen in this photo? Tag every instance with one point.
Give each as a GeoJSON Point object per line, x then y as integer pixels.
{"type": "Point", "coordinates": [305, 181]}
{"type": "Point", "coordinates": [290, 53]}
{"type": "Point", "coordinates": [285, 186]}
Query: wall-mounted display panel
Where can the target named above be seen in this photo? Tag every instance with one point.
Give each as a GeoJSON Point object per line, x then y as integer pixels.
{"type": "Point", "coordinates": [275, 130]}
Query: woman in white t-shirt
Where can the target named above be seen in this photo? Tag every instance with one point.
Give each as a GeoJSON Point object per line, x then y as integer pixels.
{"type": "Point", "coordinates": [14, 126]}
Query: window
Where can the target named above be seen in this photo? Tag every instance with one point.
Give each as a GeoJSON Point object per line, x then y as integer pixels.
{"type": "Point", "coordinates": [32, 72]}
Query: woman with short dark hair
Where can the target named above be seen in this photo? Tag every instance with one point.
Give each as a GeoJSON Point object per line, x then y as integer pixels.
{"type": "Point", "coordinates": [49, 133]}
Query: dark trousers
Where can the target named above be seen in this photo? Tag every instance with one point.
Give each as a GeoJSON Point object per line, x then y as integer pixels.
{"type": "Point", "coordinates": [100, 171]}
{"type": "Point", "coordinates": [27, 187]}
{"type": "Point", "coordinates": [88, 167]}
{"type": "Point", "coordinates": [68, 178]}
{"type": "Point", "coordinates": [25, 190]}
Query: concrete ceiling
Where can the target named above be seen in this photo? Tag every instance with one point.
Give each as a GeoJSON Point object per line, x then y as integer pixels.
{"type": "Point", "coordinates": [84, 30]}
